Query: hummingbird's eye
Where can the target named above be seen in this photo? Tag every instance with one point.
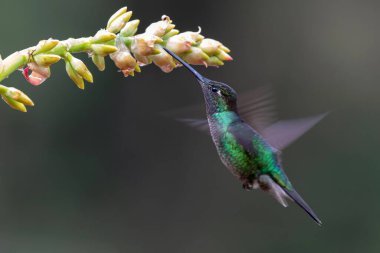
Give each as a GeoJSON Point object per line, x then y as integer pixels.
{"type": "Point", "coordinates": [214, 89]}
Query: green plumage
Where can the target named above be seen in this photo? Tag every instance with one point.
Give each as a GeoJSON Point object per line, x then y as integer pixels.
{"type": "Point", "coordinates": [243, 150]}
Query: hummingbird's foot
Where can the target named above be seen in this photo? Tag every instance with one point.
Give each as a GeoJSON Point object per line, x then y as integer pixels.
{"type": "Point", "coordinates": [247, 186]}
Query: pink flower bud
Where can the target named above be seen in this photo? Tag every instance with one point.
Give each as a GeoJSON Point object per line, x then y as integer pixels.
{"type": "Point", "coordinates": [193, 37]}
{"type": "Point", "coordinates": [178, 44]}
{"type": "Point", "coordinates": [196, 57]}
{"type": "Point", "coordinates": [215, 48]}
{"type": "Point", "coordinates": [210, 46]}
{"type": "Point", "coordinates": [224, 56]}
{"type": "Point", "coordinates": [131, 72]}
{"type": "Point", "coordinates": [142, 60]}
{"type": "Point", "coordinates": [160, 28]}
{"type": "Point", "coordinates": [164, 61]}
{"type": "Point", "coordinates": [38, 76]}
{"type": "Point", "coordinates": [143, 44]}
{"type": "Point", "coordinates": [128, 72]}
{"type": "Point", "coordinates": [123, 58]}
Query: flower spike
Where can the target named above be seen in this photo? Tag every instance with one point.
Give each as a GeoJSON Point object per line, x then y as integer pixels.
{"type": "Point", "coordinates": [129, 52]}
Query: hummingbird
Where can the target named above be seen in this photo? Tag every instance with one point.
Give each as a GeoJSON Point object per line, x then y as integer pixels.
{"type": "Point", "coordinates": [250, 150]}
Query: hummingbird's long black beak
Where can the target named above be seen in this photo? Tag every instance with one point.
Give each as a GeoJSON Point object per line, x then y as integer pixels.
{"type": "Point", "coordinates": [195, 73]}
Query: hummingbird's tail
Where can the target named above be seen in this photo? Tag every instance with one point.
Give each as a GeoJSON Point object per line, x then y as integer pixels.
{"type": "Point", "coordinates": [299, 200]}
{"type": "Point", "coordinates": [281, 194]}
{"type": "Point", "coordinates": [191, 69]}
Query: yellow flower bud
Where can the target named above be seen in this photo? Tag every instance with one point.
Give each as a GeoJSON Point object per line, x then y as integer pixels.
{"type": "Point", "coordinates": [103, 36]}
{"type": "Point", "coordinates": [130, 28]}
{"type": "Point", "coordinates": [74, 76]}
{"type": "Point", "coordinates": [214, 61]}
{"type": "Point", "coordinates": [18, 96]}
{"type": "Point", "coordinates": [45, 45]}
{"type": "Point", "coordinates": [99, 62]}
{"type": "Point", "coordinates": [45, 60]}
{"type": "Point", "coordinates": [103, 50]}
{"type": "Point", "coordinates": [14, 104]}
{"type": "Point", "coordinates": [3, 89]}
{"type": "Point", "coordinates": [119, 22]}
{"type": "Point", "coordinates": [81, 69]}
{"type": "Point", "coordinates": [116, 15]}
{"type": "Point", "coordinates": [170, 34]}
{"type": "Point", "coordinates": [225, 49]}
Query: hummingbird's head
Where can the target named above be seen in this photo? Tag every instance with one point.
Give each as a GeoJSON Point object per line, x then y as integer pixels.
{"type": "Point", "coordinates": [219, 96]}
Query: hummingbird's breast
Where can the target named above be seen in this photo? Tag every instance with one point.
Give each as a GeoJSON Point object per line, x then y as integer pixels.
{"type": "Point", "coordinates": [238, 157]}
{"type": "Point", "coordinates": [243, 151]}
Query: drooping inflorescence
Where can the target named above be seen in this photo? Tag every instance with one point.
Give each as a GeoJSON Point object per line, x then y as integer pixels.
{"type": "Point", "coordinates": [128, 50]}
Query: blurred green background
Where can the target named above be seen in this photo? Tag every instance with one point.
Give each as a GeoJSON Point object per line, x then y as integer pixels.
{"type": "Point", "coordinates": [102, 171]}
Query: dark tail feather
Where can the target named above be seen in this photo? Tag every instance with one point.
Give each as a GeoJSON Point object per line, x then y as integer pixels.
{"type": "Point", "coordinates": [191, 69]}
{"type": "Point", "coordinates": [298, 199]}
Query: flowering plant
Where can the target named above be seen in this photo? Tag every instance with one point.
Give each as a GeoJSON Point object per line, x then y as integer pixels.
{"type": "Point", "coordinates": [127, 50]}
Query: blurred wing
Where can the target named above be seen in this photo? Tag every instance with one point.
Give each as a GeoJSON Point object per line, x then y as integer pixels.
{"type": "Point", "coordinates": [199, 124]}
{"type": "Point", "coordinates": [191, 116]}
{"type": "Point", "coordinates": [242, 134]}
{"type": "Point", "coordinates": [284, 132]}
{"type": "Point", "coordinates": [257, 107]}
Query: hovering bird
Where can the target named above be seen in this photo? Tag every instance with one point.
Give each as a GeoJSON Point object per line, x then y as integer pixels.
{"type": "Point", "coordinates": [250, 149]}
